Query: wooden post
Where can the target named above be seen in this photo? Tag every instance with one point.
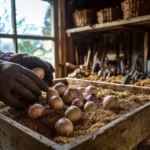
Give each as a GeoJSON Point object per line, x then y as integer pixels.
{"type": "Point", "coordinates": [61, 58]}
{"type": "Point", "coordinates": [76, 56]}
{"type": "Point", "coordinates": [146, 37]}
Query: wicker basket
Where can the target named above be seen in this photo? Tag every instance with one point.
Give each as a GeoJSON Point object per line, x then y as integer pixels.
{"type": "Point", "coordinates": [114, 14]}
{"type": "Point", "coordinates": [109, 14]}
{"type": "Point", "coordinates": [102, 16]}
{"type": "Point", "coordinates": [134, 8]}
{"type": "Point", "coordinates": [84, 17]}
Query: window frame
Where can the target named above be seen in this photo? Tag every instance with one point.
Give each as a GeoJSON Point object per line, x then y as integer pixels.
{"type": "Point", "coordinates": [59, 36]}
{"type": "Point", "coordinates": [14, 36]}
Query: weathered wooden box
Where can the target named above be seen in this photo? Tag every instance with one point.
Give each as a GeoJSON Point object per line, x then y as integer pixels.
{"type": "Point", "coordinates": [123, 133]}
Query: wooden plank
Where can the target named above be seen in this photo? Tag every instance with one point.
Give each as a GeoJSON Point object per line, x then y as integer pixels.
{"type": "Point", "coordinates": [142, 20]}
{"type": "Point", "coordinates": [61, 39]}
{"type": "Point", "coordinates": [14, 136]}
{"type": "Point", "coordinates": [146, 39]}
{"type": "Point", "coordinates": [28, 37]}
{"type": "Point", "coordinates": [55, 19]}
{"type": "Point", "coordinates": [15, 43]}
{"type": "Point", "coordinates": [113, 86]}
{"type": "Point", "coordinates": [123, 133]}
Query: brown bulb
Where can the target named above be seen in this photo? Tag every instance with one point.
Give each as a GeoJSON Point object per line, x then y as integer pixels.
{"type": "Point", "coordinates": [35, 111]}
{"type": "Point", "coordinates": [110, 102]}
{"type": "Point", "coordinates": [71, 94]}
{"type": "Point", "coordinates": [90, 106]}
{"type": "Point", "coordinates": [56, 102]}
{"type": "Point", "coordinates": [39, 72]}
{"type": "Point", "coordinates": [51, 93]}
{"type": "Point", "coordinates": [61, 88]}
{"type": "Point", "coordinates": [91, 89]}
{"type": "Point", "coordinates": [73, 113]}
{"type": "Point", "coordinates": [42, 98]}
{"type": "Point", "coordinates": [64, 127]}
{"type": "Point", "coordinates": [91, 97]}
{"type": "Point", "coordinates": [77, 102]}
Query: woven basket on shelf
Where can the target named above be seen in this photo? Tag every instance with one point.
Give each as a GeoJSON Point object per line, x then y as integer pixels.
{"type": "Point", "coordinates": [114, 14]}
{"type": "Point", "coordinates": [109, 14]}
{"type": "Point", "coordinates": [84, 17]}
{"type": "Point", "coordinates": [134, 8]}
{"type": "Point", "coordinates": [102, 16]}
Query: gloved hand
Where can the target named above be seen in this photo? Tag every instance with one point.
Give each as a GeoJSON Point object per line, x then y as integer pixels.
{"type": "Point", "coordinates": [32, 62]}
{"type": "Point", "coordinates": [19, 87]}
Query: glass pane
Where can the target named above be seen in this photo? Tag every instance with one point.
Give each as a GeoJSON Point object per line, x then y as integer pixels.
{"type": "Point", "coordinates": [6, 45]}
{"type": "Point", "coordinates": [43, 49]}
{"type": "Point", "coordinates": [34, 17]}
{"type": "Point", "coordinates": [5, 17]}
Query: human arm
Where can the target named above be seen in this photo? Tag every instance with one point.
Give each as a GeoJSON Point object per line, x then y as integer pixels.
{"type": "Point", "coordinates": [19, 87]}
{"type": "Point", "coordinates": [30, 62]}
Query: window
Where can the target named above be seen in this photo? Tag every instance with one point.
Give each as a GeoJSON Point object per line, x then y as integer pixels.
{"type": "Point", "coordinates": [27, 26]}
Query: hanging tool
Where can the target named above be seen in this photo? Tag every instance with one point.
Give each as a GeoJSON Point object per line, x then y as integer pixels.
{"type": "Point", "coordinates": [88, 59]}
{"type": "Point", "coordinates": [71, 66]}
{"type": "Point", "coordinates": [136, 73]}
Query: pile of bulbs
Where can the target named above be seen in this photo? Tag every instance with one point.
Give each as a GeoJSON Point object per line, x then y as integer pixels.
{"type": "Point", "coordinates": [76, 100]}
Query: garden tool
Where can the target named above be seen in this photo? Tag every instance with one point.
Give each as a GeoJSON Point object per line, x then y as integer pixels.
{"type": "Point", "coordinates": [136, 72]}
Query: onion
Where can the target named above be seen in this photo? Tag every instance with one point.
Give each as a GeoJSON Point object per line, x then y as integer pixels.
{"type": "Point", "coordinates": [85, 95]}
{"type": "Point", "coordinates": [90, 106]}
{"type": "Point", "coordinates": [73, 113]}
{"type": "Point", "coordinates": [56, 102]}
{"type": "Point", "coordinates": [77, 102]}
{"type": "Point", "coordinates": [35, 111]}
{"type": "Point", "coordinates": [64, 126]}
{"type": "Point", "coordinates": [81, 89]}
{"type": "Point", "coordinates": [61, 88]}
{"type": "Point", "coordinates": [42, 97]}
{"type": "Point", "coordinates": [71, 94]}
{"type": "Point", "coordinates": [110, 102]}
{"type": "Point", "coordinates": [91, 89]}
{"type": "Point", "coordinates": [39, 72]}
{"type": "Point", "coordinates": [91, 97]}
{"type": "Point", "coordinates": [51, 93]}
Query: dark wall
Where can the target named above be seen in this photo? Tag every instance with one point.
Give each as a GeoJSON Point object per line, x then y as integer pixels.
{"type": "Point", "coordinates": [73, 5]}
{"type": "Point", "coordinates": [97, 4]}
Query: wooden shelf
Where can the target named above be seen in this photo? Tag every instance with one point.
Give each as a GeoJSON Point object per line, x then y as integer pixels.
{"type": "Point", "coordinates": [143, 21]}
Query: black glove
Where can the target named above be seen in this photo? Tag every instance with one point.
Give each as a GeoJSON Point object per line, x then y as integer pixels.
{"type": "Point", "coordinates": [19, 87]}
{"type": "Point", "coordinates": [32, 62]}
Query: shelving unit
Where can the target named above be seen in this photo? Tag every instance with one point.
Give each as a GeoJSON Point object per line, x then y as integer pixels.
{"type": "Point", "coordinates": [141, 23]}
{"type": "Point", "coordinates": [138, 23]}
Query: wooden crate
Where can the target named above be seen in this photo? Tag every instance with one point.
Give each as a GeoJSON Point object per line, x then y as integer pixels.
{"type": "Point", "coordinates": [123, 133]}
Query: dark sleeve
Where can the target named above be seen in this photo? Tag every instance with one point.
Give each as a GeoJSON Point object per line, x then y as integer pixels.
{"type": "Point", "coordinates": [5, 56]}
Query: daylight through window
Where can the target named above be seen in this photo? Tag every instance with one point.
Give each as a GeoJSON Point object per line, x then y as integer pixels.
{"type": "Point", "coordinates": [27, 26]}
